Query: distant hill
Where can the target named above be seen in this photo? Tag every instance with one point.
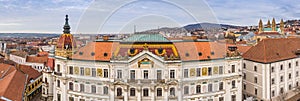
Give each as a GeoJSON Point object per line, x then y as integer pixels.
{"type": "Point", "coordinates": [26, 35]}
{"type": "Point", "coordinates": [192, 27]}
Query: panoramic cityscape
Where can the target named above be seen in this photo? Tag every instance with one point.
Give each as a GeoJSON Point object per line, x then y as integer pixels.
{"type": "Point", "coordinates": [149, 50]}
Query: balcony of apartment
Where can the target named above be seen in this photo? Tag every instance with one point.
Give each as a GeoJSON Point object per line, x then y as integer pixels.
{"type": "Point", "coordinates": [173, 97]}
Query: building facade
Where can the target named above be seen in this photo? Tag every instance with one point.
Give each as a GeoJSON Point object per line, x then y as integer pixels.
{"type": "Point", "coordinates": [271, 73]}
{"type": "Point", "coordinates": [144, 67]}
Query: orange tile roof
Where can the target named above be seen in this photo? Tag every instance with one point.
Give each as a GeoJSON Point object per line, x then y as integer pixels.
{"type": "Point", "coordinates": [13, 84]}
{"type": "Point", "coordinates": [243, 49]}
{"type": "Point", "coordinates": [50, 63]}
{"type": "Point", "coordinates": [37, 59]}
{"type": "Point", "coordinates": [96, 51]}
{"type": "Point", "coordinates": [272, 50]}
{"type": "Point", "coordinates": [32, 73]}
{"type": "Point", "coordinates": [200, 50]}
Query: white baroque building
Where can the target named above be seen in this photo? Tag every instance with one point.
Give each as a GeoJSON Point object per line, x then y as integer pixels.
{"type": "Point", "coordinates": [271, 70]}
{"type": "Point", "coordinates": [143, 67]}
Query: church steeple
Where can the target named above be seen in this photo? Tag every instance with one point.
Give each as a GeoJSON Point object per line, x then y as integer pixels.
{"type": "Point", "coordinates": [268, 24]}
{"type": "Point", "coordinates": [281, 26]}
{"type": "Point", "coordinates": [67, 26]}
{"type": "Point", "coordinates": [260, 26]}
{"type": "Point", "coordinates": [273, 25]}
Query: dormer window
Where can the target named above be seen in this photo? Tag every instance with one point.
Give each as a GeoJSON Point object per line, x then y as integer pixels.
{"type": "Point", "coordinates": [200, 54]}
{"type": "Point", "coordinates": [105, 54]}
{"type": "Point", "coordinates": [212, 53]}
{"type": "Point", "coordinates": [80, 53]}
{"type": "Point", "coordinates": [93, 54]}
{"type": "Point", "coordinates": [187, 54]}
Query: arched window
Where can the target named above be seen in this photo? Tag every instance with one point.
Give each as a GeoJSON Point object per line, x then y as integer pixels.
{"type": "Point", "coordinates": [198, 89]}
{"type": "Point", "coordinates": [70, 86]}
{"type": "Point", "coordinates": [172, 91]}
{"type": "Point", "coordinates": [159, 92]}
{"type": "Point", "coordinates": [186, 90]}
{"type": "Point", "coordinates": [105, 90]}
{"type": "Point", "coordinates": [132, 92]}
{"type": "Point", "coordinates": [119, 91]}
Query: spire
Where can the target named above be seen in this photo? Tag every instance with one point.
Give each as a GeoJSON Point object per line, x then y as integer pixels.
{"type": "Point", "coordinates": [260, 26]}
{"type": "Point", "coordinates": [281, 26]}
{"type": "Point", "coordinates": [67, 26]}
{"type": "Point", "coordinates": [273, 25]}
{"type": "Point", "coordinates": [268, 24]}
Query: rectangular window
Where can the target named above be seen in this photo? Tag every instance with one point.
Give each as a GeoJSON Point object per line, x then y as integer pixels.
{"type": "Point", "coordinates": [244, 77]}
{"type": "Point", "coordinates": [159, 91]}
{"type": "Point", "coordinates": [220, 69]}
{"type": "Point", "coordinates": [255, 91]}
{"type": "Point", "coordinates": [221, 86]}
{"type": "Point", "coordinates": [297, 73]}
{"type": "Point", "coordinates": [245, 87]}
{"type": "Point", "coordinates": [58, 97]}
{"type": "Point", "coordinates": [221, 98]}
{"type": "Point", "coordinates": [186, 73]}
{"type": "Point", "coordinates": [233, 84]}
{"type": "Point", "coordinates": [209, 87]}
{"type": "Point", "coordinates": [273, 81]}
{"type": "Point", "coordinates": [145, 74]}
{"type": "Point", "coordinates": [70, 69]}
{"type": "Point", "coordinates": [81, 71]}
{"type": "Point", "coordinates": [281, 78]}
{"type": "Point", "coordinates": [132, 74]}
{"type": "Point", "coordinates": [273, 93]}
{"type": "Point", "coordinates": [145, 92]}
{"type": "Point", "coordinates": [93, 87]}
{"type": "Point", "coordinates": [105, 73]}
{"type": "Point", "coordinates": [198, 72]}
{"type": "Point", "coordinates": [297, 63]}
{"type": "Point", "coordinates": [93, 72]}
{"type": "Point", "coordinates": [255, 79]}
{"type": "Point", "coordinates": [158, 74]}
{"type": "Point", "coordinates": [233, 68]}
{"type": "Point", "coordinates": [172, 73]}
{"type": "Point", "coordinates": [81, 87]}
{"type": "Point", "coordinates": [119, 74]}
{"type": "Point", "coordinates": [233, 98]}
{"type": "Point", "coordinates": [58, 68]}
{"type": "Point", "coordinates": [71, 99]}
{"type": "Point", "coordinates": [209, 71]}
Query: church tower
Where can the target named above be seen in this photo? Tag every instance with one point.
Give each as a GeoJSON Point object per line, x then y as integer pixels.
{"type": "Point", "coordinates": [281, 26]}
{"type": "Point", "coordinates": [273, 25]}
{"type": "Point", "coordinates": [66, 43]}
{"type": "Point", "coordinates": [268, 24]}
{"type": "Point", "coordinates": [260, 26]}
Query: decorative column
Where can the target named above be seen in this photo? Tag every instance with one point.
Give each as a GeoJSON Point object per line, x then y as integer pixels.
{"type": "Point", "coordinates": [112, 93]}
{"type": "Point", "coordinates": [139, 94]}
{"type": "Point", "coordinates": [152, 93]}
{"type": "Point", "coordinates": [125, 93]}
{"type": "Point", "coordinates": [166, 90]}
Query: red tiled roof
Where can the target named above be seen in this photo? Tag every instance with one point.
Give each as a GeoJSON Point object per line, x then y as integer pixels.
{"type": "Point", "coordinates": [32, 73]}
{"type": "Point", "coordinates": [37, 59]}
{"type": "Point", "coordinates": [12, 84]}
{"type": "Point", "coordinates": [272, 50]}
{"type": "Point", "coordinates": [98, 49]}
{"type": "Point", "coordinates": [200, 50]}
{"type": "Point", "coordinates": [50, 63]}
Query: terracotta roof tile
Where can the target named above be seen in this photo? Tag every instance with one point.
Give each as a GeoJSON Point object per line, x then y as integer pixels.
{"type": "Point", "coordinates": [101, 51]}
{"type": "Point", "coordinates": [272, 50]}
{"type": "Point", "coordinates": [32, 73]}
{"type": "Point", "coordinates": [12, 85]}
{"type": "Point", "coordinates": [37, 59]}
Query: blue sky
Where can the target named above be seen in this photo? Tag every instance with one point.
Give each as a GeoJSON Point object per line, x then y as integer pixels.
{"type": "Point", "coordinates": [113, 16]}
